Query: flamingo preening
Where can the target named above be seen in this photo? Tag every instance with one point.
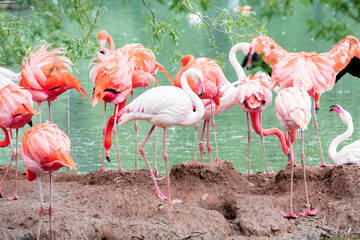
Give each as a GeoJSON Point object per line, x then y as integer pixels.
{"type": "Point", "coordinates": [163, 106]}
{"type": "Point", "coordinates": [45, 149]}
{"type": "Point", "coordinates": [293, 111]}
{"type": "Point", "coordinates": [315, 73]}
{"type": "Point", "coordinates": [351, 152]}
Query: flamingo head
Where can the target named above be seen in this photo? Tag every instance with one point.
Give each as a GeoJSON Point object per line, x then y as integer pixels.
{"type": "Point", "coordinates": [185, 60]}
{"type": "Point", "coordinates": [344, 115]}
{"type": "Point", "coordinates": [102, 37]}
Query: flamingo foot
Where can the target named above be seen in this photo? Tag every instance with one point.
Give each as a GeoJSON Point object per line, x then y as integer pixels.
{"type": "Point", "coordinates": [102, 169]}
{"type": "Point", "coordinates": [323, 164]}
{"type": "Point", "coordinates": [156, 172]}
{"type": "Point", "coordinates": [160, 195]}
{"type": "Point", "coordinates": [295, 165]}
{"type": "Point", "coordinates": [122, 170]}
{"type": "Point", "coordinates": [15, 197]}
{"type": "Point", "coordinates": [217, 160]}
{"type": "Point", "coordinates": [268, 172]}
{"type": "Point", "coordinates": [309, 212]}
{"type": "Point", "coordinates": [193, 163]}
{"type": "Point", "coordinates": [290, 215]}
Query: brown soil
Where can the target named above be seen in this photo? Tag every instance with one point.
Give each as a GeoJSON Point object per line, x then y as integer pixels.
{"type": "Point", "coordinates": [217, 203]}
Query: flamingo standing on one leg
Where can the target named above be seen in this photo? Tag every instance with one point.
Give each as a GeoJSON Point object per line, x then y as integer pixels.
{"type": "Point", "coordinates": [45, 149]}
{"type": "Point", "coordinates": [112, 78]}
{"type": "Point", "coordinates": [143, 67]}
{"type": "Point", "coordinates": [46, 75]}
{"type": "Point", "coordinates": [247, 93]}
{"type": "Point", "coordinates": [293, 111]}
{"type": "Point", "coordinates": [213, 79]}
{"type": "Point", "coordinates": [351, 152]}
{"type": "Point", "coordinates": [312, 72]}
{"type": "Point", "coordinates": [15, 112]}
{"type": "Point", "coordinates": [163, 106]}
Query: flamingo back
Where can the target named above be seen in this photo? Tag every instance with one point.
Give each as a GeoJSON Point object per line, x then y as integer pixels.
{"type": "Point", "coordinates": [8, 77]}
{"type": "Point", "coordinates": [45, 148]}
{"type": "Point", "coordinates": [293, 108]}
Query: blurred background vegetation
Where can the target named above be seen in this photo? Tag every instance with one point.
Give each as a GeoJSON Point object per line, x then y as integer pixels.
{"type": "Point", "coordinates": [32, 22]}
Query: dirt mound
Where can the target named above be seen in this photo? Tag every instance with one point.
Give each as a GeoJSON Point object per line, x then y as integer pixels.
{"type": "Point", "coordinates": [217, 203]}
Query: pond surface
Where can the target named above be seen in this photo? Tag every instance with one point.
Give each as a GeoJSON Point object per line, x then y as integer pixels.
{"type": "Point", "coordinates": [124, 22]}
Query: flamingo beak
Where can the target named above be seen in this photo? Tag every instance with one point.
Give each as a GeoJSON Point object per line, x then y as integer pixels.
{"type": "Point", "coordinates": [30, 123]}
{"type": "Point", "coordinates": [108, 158]}
{"type": "Point", "coordinates": [335, 108]}
{"type": "Point", "coordinates": [201, 88]}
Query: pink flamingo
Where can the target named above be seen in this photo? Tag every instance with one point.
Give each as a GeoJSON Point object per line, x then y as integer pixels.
{"type": "Point", "coordinates": [15, 112]}
{"type": "Point", "coordinates": [312, 72]}
{"type": "Point", "coordinates": [351, 152]}
{"type": "Point", "coordinates": [213, 79]}
{"type": "Point", "coordinates": [143, 67]}
{"type": "Point", "coordinates": [293, 111]}
{"type": "Point", "coordinates": [8, 77]}
{"type": "Point", "coordinates": [46, 75]}
{"type": "Point", "coordinates": [112, 78]}
{"type": "Point", "coordinates": [45, 149]}
{"type": "Point", "coordinates": [163, 106]}
{"type": "Point", "coordinates": [256, 91]}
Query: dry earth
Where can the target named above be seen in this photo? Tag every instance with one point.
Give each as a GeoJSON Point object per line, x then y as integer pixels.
{"type": "Point", "coordinates": [217, 203]}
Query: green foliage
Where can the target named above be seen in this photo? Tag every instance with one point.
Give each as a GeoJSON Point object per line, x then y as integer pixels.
{"type": "Point", "coordinates": [47, 22]}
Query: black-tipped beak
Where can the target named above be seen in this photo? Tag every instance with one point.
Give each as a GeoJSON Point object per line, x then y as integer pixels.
{"type": "Point", "coordinates": [199, 95]}
{"type": "Point", "coordinates": [317, 110]}
{"type": "Point", "coordinates": [108, 158]}
{"type": "Point", "coordinates": [332, 108]}
{"type": "Point", "coordinates": [102, 52]}
{"type": "Point", "coordinates": [30, 123]}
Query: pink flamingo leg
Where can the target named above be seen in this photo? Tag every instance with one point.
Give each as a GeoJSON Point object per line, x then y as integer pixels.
{"type": "Point", "coordinates": [249, 139]}
{"type": "Point", "coordinates": [167, 167]}
{"type": "Point", "coordinates": [323, 164]}
{"type": "Point", "coordinates": [156, 172]}
{"type": "Point", "coordinates": [262, 140]}
{"type": "Point", "coordinates": [290, 214]}
{"type": "Point", "coordinates": [136, 134]}
{"type": "Point", "coordinates": [103, 148]}
{"type": "Point", "coordinates": [201, 143]}
{"type": "Point", "coordinates": [39, 108]}
{"type": "Point", "coordinates": [308, 212]}
{"type": "Point", "coordinates": [11, 159]}
{"type": "Point", "coordinates": [141, 150]}
{"type": "Point", "coordinates": [41, 207]}
{"type": "Point", "coordinates": [196, 129]}
{"type": "Point", "coordinates": [213, 125]}
{"type": "Point", "coordinates": [116, 141]}
{"type": "Point", "coordinates": [15, 196]}
{"type": "Point", "coordinates": [50, 208]}
{"type": "Point", "coordinates": [50, 112]}
{"type": "Point", "coordinates": [208, 146]}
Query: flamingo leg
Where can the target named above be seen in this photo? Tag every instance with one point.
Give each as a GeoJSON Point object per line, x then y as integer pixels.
{"type": "Point", "coordinates": [201, 143]}
{"type": "Point", "coordinates": [41, 207]}
{"type": "Point", "coordinates": [50, 208]}
{"type": "Point", "coordinates": [136, 134]}
{"type": "Point", "coordinates": [50, 112]}
{"type": "Point", "coordinates": [39, 108]}
{"type": "Point", "coordinates": [156, 172]}
{"type": "Point", "coordinates": [11, 159]}
{"type": "Point", "coordinates": [142, 152]}
{"type": "Point", "coordinates": [167, 167]}
{"type": "Point", "coordinates": [68, 113]}
{"type": "Point", "coordinates": [262, 140]}
{"type": "Point", "coordinates": [116, 140]}
{"type": "Point", "coordinates": [213, 125]}
{"type": "Point", "coordinates": [196, 129]}
{"type": "Point", "coordinates": [208, 146]}
{"type": "Point", "coordinates": [249, 139]}
{"type": "Point", "coordinates": [290, 214]}
{"type": "Point", "coordinates": [323, 164]}
{"type": "Point", "coordinates": [308, 212]}
{"type": "Point", "coordinates": [103, 148]}
{"type": "Point", "coordinates": [15, 196]}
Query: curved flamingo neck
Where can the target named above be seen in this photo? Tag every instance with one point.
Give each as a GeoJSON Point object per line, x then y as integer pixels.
{"type": "Point", "coordinates": [339, 139]}
{"type": "Point", "coordinates": [199, 106]}
{"type": "Point", "coordinates": [255, 121]}
{"type": "Point", "coordinates": [186, 61]}
{"type": "Point", "coordinates": [6, 141]}
{"type": "Point", "coordinates": [245, 48]}
{"type": "Point", "coordinates": [110, 42]}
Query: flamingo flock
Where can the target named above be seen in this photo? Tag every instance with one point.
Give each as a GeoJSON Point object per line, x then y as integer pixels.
{"type": "Point", "coordinates": [200, 92]}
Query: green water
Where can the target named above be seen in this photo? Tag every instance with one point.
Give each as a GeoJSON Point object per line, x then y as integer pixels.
{"type": "Point", "coordinates": [124, 23]}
